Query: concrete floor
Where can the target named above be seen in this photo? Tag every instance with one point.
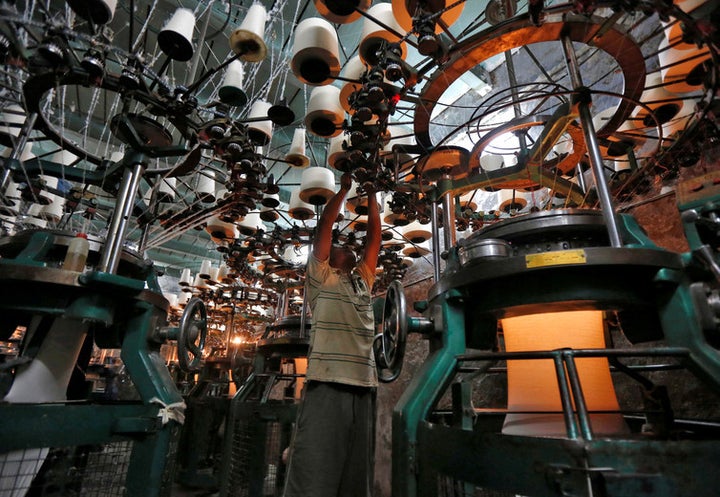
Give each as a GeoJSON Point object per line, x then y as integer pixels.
{"type": "Point", "coordinates": [180, 491]}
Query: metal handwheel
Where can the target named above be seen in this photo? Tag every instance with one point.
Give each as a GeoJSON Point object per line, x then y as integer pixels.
{"type": "Point", "coordinates": [390, 341]}
{"type": "Point", "coordinates": [191, 335]}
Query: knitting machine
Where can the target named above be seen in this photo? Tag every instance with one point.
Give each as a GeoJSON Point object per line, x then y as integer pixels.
{"type": "Point", "coordinates": [126, 448]}
{"type": "Point", "coordinates": [562, 311]}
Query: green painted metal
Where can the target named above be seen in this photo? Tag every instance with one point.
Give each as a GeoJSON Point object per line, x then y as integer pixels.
{"type": "Point", "coordinates": [426, 386]}
{"type": "Point", "coordinates": [638, 277]}
{"type": "Point", "coordinates": [124, 315]}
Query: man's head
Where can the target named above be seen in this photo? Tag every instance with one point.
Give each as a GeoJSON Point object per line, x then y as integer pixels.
{"type": "Point", "coordinates": [342, 258]}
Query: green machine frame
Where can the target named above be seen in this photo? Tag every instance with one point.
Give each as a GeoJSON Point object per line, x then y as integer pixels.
{"type": "Point", "coordinates": [668, 291]}
{"type": "Point", "coordinates": [122, 312]}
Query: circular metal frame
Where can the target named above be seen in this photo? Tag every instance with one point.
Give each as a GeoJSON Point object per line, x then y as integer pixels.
{"type": "Point", "coordinates": [520, 31]}
{"type": "Point", "coordinates": [192, 333]}
{"type": "Point", "coordinates": [390, 342]}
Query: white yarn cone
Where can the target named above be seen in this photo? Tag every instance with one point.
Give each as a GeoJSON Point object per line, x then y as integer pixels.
{"type": "Point", "coordinates": [299, 209]}
{"type": "Point", "coordinates": [248, 39]}
{"type": "Point", "coordinates": [316, 53]}
{"type": "Point", "coordinates": [325, 115]}
{"type": "Point", "coordinates": [317, 185]}
{"type": "Point", "coordinates": [231, 90]}
{"type": "Point", "coordinates": [296, 155]}
{"type": "Point", "coordinates": [175, 38]}
{"type": "Point", "coordinates": [373, 34]}
{"type": "Point", "coordinates": [260, 132]}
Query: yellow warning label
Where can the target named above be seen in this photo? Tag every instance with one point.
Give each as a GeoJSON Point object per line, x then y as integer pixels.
{"type": "Point", "coordinates": [555, 258]}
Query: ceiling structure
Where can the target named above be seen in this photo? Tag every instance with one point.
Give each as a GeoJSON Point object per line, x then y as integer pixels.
{"type": "Point", "coordinates": [490, 107]}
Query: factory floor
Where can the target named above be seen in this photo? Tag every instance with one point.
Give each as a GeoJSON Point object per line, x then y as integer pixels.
{"type": "Point", "coordinates": [181, 491]}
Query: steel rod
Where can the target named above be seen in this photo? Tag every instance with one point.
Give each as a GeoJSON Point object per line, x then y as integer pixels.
{"type": "Point", "coordinates": [448, 216]}
{"type": "Point", "coordinates": [568, 415]}
{"type": "Point", "coordinates": [119, 222]}
{"type": "Point", "coordinates": [17, 150]}
{"type": "Point", "coordinates": [592, 144]}
{"type": "Point", "coordinates": [435, 240]}
{"type": "Point", "coordinates": [578, 397]}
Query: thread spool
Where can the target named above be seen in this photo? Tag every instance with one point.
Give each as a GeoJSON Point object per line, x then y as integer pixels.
{"type": "Point", "coordinates": [317, 185]}
{"type": "Point", "coordinates": [681, 120]}
{"type": "Point", "coordinates": [316, 53]}
{"type": "Point", "coordinates": [213, 279]}
{"type": "Point", "coordinates": [205, 191]}
{"type": "Point", "coordinates": [53, 211]}
{"type": "Point", "coordinates": [337, 155]}
{"type": "Point", "coordinates": [683, 67]}
{"type": "Point", "coordinates": [12, 198]}
{"type": "Point", "coordinates": [269, 214]}
{"type": "Point", "coordinates": [663, 104]}
{"type": "Point", "coordinates": [374, 33]}
{"type": "Point", "coordinates": [404, 10]}
{"type": "Point", "coordinates": [353, 70]}
{"type": "Point", "coordinates": [673, 30]}
{"type": "Point", "coordinates": [260, 132]}
{"type": "Point", "coordinates": [45, 196]}
{"type": "Point", "coordinates": [221, 229]}
{"type": "Point", "coordinates": [416, 251]}
{"type": "Point", "coordinates": [300, 210]}
{"type": "Point", "coordinates": [400, 136]}
{"type": "Point", "coordinates": [12, 119]}
{"type": "Point", "coordinates": [224, 274]}
{"type": "Point", "coordinates": [200, 283]}
{"type": "Point", "coordinates": [470, 200]}
{"type": "Point", "coordinates": [416, 232]}
{"type": "Point", "coordinates": [358, 223]}
{"type": "Point", "coordinates": [249, 39]}
{"type": "Point", "coordinates": [510, 201]}
{"type": "Point", "coordinates": [97, 11]}
{"type": "Point", "coordinates": [186, 277]}
{"type": "Point", "coordinates": [341, 11]}
{"type": "Point", "coordinates": [8, 222]}
{"type": "Point", "coordinates": [296, 155]}
{"type": "Point", "coordinates": [172, 300]}
{"type": "Point", "coordinates": [325, 115]}
{"type": "Point", "coordinates": [183, 298]}
{"type": "Point", "coordinates": [391, 218]}
{"type": "Point", "coordinates": [354, 202]}
{"type": "Point", "coordinates": [205, 267]}
{"type": "Point", "coordinates": [394, 244]}
{"type": "Point", "coordinates": [532, 384]}
{"type": "Point", "coordinates": [271, 200]}
{"type": "Point", "coordinates": [231, 92]}
{"type": "Point", "coordinates": [250, 224]}
{"type": "Point", "coordinates": [175, 38]}
{"type": "Point", "coordinates": [625, 136]}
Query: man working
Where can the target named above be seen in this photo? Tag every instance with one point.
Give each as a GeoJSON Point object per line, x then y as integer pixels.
{"type": "Point", "coordinates": [332, 454]}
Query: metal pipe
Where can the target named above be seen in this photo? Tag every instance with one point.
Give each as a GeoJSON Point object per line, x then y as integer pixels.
{"type": "Point", "coordinates": [581, 178]}
{"type": "Point", "coordinates": [578, 397]}
{"type": "Point", "coordinates": [510, 66]}
{"type": "Point", "coordinates": [17, 150]}
{"type": "Point", "coordinates": [448, 216]}
{"type": "Point", "coordinates": [591, 141]}
{"type": "Point", "coordinates": [570, 423]}
{"type": "Point", "coordinates": [119, 222]}
{"type": "Point", "coordinates": [435, 240]}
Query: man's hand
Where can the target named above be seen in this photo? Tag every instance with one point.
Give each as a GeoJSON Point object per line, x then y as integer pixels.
{"type": "Point", "coordinates": [346, 181]}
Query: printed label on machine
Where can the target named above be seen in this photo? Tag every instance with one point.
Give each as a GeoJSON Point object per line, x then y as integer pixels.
{"type": "Point", "coordinates": [555, 258]}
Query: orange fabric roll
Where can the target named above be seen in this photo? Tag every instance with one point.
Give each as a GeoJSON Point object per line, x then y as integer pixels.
{"type": "Point", "coordinates": [533, 385]}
